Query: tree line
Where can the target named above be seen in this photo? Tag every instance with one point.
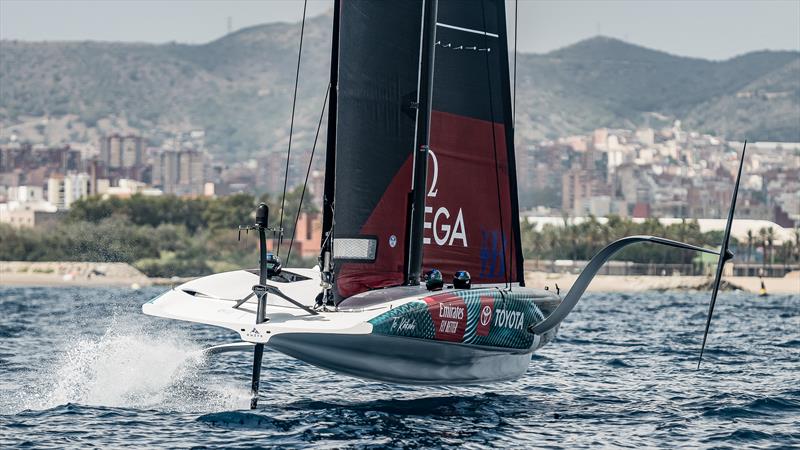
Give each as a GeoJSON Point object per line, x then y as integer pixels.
{"type": "Point", "coordinates": [162, 236]}
{"type": "Point", "coordinates": [168, 235]}
{"type": "Point", "coordinates": [580, 241]}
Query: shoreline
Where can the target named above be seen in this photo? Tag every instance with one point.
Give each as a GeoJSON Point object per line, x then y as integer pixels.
{"type": "Point", "coordinates": [84, 274]}
{"type": "Point", "coordinates": [93, 274]}
{"type": "Point", "coordinates": [787, 285]}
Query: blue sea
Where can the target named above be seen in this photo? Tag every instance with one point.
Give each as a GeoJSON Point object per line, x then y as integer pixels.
{"type": "Point", "coordinates": [82, 367]}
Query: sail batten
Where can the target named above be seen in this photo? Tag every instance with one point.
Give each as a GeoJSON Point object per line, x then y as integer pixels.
{"type": "Point", "coordinates": [468, 30]}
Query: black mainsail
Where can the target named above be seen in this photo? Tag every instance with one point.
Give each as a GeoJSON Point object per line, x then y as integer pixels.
{"type": "Point", "coordinates": [470, 213]}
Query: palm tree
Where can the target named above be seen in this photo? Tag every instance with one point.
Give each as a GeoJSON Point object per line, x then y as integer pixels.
{"type": "Point", "coordinates": [762, 235]}
{"type": "Point", "coordinates": [771, 241]}
{"type": "Point", "coordinates": [787, 251]}
{"type": "Point", "coordinates": [749, 245]}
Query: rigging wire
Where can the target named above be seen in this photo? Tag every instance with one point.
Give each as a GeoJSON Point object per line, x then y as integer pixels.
{"type": "Point", "coordinates": [514, 100]}
{"type": "Point", "coordinates": [514, 119]}
{"type": "Point", "coordinates": [494, 147]}
{"type": "Point", "coordinates": [291, 125]}
{"type": "Point", "coordinates": [308, 172]}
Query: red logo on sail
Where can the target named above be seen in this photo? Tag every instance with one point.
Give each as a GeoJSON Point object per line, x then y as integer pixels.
{"type": "Point", "coordinates": [485, 317]}
{"type": "Point", "coordinates": [449, 314]}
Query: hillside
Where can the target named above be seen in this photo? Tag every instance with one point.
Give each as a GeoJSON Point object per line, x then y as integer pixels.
{"type": "Point", "coordinates": [607, 82]}
{"type": "Point", "coordinates": [239, 87]}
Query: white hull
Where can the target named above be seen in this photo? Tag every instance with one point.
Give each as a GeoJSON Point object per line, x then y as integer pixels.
{"type": "Point", "coordinates": [401, 335]}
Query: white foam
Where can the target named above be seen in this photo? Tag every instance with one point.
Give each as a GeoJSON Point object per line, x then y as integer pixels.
{"type": "Point", "coordinates": [130, 366]}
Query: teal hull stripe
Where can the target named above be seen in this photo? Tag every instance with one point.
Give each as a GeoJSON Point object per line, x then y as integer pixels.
{"type": "Point", "coordinates": [511, 315]}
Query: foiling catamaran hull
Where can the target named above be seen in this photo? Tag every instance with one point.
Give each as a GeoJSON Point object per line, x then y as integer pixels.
{"type": "Point", "coordinates": [404, 335]}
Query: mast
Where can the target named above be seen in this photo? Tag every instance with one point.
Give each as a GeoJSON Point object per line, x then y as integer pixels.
{"type": "Point", "coordinates": [330, 152]}
{"type": "Point", "coordinates": [425, 96]}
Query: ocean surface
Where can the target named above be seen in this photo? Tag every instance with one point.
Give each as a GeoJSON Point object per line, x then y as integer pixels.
{"type": "Point", "coordinates": [83, 367]}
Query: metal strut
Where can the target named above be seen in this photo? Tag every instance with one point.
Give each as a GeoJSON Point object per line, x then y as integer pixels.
{"type": "Point", "coordinates": [260, 290]}
{"type": "Point", "coordinates": [725, 254]}
{"type": "Point", "coordinates": [591, 269]}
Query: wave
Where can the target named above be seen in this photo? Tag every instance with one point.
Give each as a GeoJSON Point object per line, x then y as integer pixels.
{"type": "Point", "coordinates": [764, 406]}
{"type": "Point", "coordinates": [246, 420]}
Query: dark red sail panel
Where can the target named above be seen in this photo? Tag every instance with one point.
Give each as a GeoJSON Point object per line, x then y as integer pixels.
{"type": "Point", "coordinates": [375, 126]}
{"type": "Point", "coordinates": [387, 225]}
{"type": "Point", "coordinates": [472, 220]}
{"type": "Point", "coordinates": [466, 220]}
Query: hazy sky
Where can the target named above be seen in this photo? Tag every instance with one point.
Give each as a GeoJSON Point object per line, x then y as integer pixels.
{"type": "Point", "coordinates": [715, 29]}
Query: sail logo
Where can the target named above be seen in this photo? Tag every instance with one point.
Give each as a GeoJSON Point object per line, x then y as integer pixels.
{"type": "Point", "coordinates": [493, 264]}
{"type": "Point", "coordinates": [509, 319]}
{"type": "Point", "coordinates": [445, 231]}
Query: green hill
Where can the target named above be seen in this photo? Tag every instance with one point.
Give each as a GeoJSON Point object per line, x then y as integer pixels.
{"type": "Point", "coordinates": [238, 88]}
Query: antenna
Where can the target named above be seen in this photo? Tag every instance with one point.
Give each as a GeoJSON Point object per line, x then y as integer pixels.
{"type": "Point", "coordinates": [724, 254]}
{"type": "Point", "coordinates": [230, 24]}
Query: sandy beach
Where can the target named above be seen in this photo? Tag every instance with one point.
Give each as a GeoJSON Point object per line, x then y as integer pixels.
{"type": "Point", "coordinates": [22, 273]}
{"type": "Point", "coordinates": [790, 284]}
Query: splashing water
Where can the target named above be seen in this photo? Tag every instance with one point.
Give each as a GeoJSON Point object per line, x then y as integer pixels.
{"type": "Point", "coordinates": [130, 366]}
{"type": "Point", "coordinates": [121, 368]}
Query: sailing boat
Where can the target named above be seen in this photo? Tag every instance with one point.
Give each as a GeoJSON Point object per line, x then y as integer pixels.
{"type": "Point", "coordinates": [420, 175]}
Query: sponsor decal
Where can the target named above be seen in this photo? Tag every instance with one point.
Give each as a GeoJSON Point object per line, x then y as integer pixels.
{"type": "Point", "coordinates": [449, 315]}
{"type": "Point", "coordinates": [392, 241]}
{"type": "Point", "coordinates": [411, 319]}
{"type": "Point", "coordinates": [254, 333]}
{"type": "Point", "coordinates": [506, 318]}
{"type": "Point", "coordinates": [445, 231]}
{"type": "Point", "coordinates": [485, 316]}
{"type": "Point", "coordinates": [493, 263]}
{"type": "Point", "coordinates": [403, 324]}
{"type": "Point", "coordinates": [259, 290]}
{"type": "Point", "coordinates": [474, 317]}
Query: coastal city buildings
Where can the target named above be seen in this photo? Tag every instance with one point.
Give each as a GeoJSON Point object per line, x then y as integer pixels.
{"type": "Point", "coordinates": [25, 206]}
{"type": "Point", "coordinates": [63, 190]}
{"type": "Point", "coordinates": [665, 173]}
{"type": "Point", "coordinates": [120, 165]}
{"type": "Point", "coordinates": [658, 173]}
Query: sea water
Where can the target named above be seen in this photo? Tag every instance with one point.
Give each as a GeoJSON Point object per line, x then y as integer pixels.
{"type": "Point", "coordinates": [83, 367]}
